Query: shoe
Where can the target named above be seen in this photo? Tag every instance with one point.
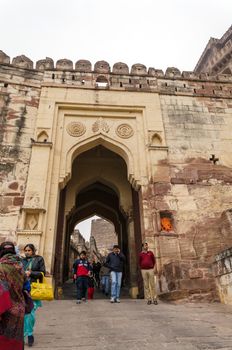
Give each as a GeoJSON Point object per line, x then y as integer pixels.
{"type": "Point", "coordinates": [30, 340]}
{"type": "Point", "coordinates": [112, 300]}
{"type": "Point", "coordinates": [78, 302]}
{"type": "Point", "coordinates": [155, 302]}
{"type": "Point", "coordinates": [117, 300]}
{"type": "Point", "coordinates": [149, 302]}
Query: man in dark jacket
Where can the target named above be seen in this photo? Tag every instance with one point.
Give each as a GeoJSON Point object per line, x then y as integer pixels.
{"type": "Point", "coordinates": [115, 262]}
{"type": "Point", "coordinates": [147, 265]}
{"type": "Point", "coordinates": [82, 270]}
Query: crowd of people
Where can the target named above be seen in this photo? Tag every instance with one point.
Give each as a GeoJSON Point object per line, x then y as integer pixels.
{"type": "Point", "coordinates": [17, 273]}
{"type": "Point", "coordinates": [89, 275]}
{"type": "Point", "coordinates": [107, 276]}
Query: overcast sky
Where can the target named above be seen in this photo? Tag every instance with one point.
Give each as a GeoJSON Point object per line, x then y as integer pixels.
{"type": "Point", "coordinates": [156, 33]}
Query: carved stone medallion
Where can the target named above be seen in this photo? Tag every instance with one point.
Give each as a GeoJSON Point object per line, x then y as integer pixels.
{"type": "Point", "coordinates": [100, 125]}
{"type": "Point", "coordinates": [76, 129]}
{"type": "Point", "coordinates": [125, 131]}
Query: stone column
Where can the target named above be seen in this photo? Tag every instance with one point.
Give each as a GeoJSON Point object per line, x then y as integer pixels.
{"type": "Point", "coordinates": [30, 227]}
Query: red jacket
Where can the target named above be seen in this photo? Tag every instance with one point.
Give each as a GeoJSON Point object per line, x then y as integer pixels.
{"type": "Point", "coordinates": [146, 260]}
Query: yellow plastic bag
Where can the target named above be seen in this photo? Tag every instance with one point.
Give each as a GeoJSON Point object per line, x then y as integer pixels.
{"type": "Point", "coordinates": [42, 291]}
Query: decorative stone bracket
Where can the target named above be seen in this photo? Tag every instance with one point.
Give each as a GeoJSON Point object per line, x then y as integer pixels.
{"type": "Point", "coordinates": [30, 229]}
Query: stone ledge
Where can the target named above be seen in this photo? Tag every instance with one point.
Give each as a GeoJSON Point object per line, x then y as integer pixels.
{"type": "Point", "coordinates": [28, 232]}
{"type": "Point", "coordinates": [42, 144]}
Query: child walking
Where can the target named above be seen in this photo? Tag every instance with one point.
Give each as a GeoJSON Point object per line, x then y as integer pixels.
{"type": "Point", "coordinates": [82, 270]}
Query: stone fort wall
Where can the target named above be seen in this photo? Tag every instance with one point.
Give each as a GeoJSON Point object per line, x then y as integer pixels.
{"type": "Point", "coordinates": [195, 192]}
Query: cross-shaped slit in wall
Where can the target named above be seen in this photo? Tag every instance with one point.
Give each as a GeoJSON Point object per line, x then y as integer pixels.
{"type": "Point", "coordinates": [213, 159]}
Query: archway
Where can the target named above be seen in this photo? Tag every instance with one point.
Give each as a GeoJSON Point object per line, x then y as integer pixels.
{"type": "Point", "coordinates": [99, 185]}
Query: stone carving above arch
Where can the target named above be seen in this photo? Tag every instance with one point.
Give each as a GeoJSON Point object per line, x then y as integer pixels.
{"type": "Point", "coordinates": [22, 62]}
{"type": "Point", "coordinates": [76, 129]}
{"type": "Point", "coordinates": [4, 58]}
{"type": "Point", "coordinates": [100, 125]}
{"type": "Point", "coordinates": [83, 66]}
{"type": "Point", "coordinates": [120, 68]}
{"type": "Point", "coordinates": [102, 67]}
{"type": "Point", "coordinates": [125, 131]}
{"type": "Point", "coordinates": [139, 69]}
{"type": "Point", "coordinates": [64, 64]}
{"type": "Point", "coordinates": [47, 63]}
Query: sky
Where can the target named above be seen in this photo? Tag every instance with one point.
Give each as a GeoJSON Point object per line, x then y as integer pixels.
{"type": "Point", "coordinates": [159, 34]}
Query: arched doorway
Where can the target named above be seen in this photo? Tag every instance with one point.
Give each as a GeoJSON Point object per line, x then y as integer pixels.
{"type": "Point", "coordinates": [99, 185]}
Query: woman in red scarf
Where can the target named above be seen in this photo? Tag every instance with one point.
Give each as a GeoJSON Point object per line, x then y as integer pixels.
{"type": "Point", "coordinates": [12, 306]}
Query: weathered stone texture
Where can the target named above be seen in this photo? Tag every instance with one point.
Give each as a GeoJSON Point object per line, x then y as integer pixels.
{"type": "Point", "coordinates": [201, 189]}
{"type": "Point", "coordinates": [222, 268]}
{"type": "Point", "coordinates": [18, 109]}
{"type": "Point", "coordinates": [174, 144]}
{"type": "Point", "coordinates": [104, 233]}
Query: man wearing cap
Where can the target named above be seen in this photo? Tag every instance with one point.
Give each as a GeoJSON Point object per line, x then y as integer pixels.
{"type": "Point", "coordinates": [115, 261]}
{"type": "Point", "coordinates": [147, 265]}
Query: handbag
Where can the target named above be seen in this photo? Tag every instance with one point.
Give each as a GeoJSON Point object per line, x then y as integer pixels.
{"type": "Point", "coordinates": [42, 291]}
{"type": "Point", "coordinates": [29, 305]}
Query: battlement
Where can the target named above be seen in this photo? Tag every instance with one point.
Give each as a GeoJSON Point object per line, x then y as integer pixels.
{"type": "Point", "coordinates": [120, 77]}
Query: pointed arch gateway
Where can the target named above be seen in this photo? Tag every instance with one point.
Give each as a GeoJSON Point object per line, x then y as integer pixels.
{"type": "Point", "coordinates": [98, 183]}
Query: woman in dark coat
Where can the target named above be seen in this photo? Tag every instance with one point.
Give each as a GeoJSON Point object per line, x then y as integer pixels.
{"type": "Point", "coordinates": [12, 306]}
{"type": "Point", "coordinates": [34, 269]}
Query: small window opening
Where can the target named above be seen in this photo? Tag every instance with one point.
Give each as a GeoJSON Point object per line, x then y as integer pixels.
{"type": "Point", "coordinates": [120, 84]}
{"type": "Point", "coordinates": [63, 80]}
{"type": "Point", "coordinates": [203, 87]}
{"type": "Point", "coordinates": [102, 82]}
{"type": "Point", "coordinates": [140, 86]}
{"type": "Point", "coordinates": [148, 82]}
{"type": "Point", "coordinates": [5, 85]}
{"type": "Point", "coordinates": [184, 85]}
{"type": "Point", "coordinates": [166, 221]}
{"type": "Point", "coordinates": [129, 81]}
{"type": "Point", "coordinates": [73, 77]}
{"type": "Point", "coordinates": [53, 76]}
{"type": "Point", "coordinates": [194, 90]}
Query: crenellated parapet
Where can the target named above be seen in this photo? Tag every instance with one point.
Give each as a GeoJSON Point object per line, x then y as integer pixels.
{"type": "Point", "coordinates": [120, 77]}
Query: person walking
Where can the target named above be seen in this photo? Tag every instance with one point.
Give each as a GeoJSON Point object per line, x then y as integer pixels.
{"type": "Point", "coordinates": [90, 287]}
{"type": "Point", "coordinates": [82, 269]}
{"type": "Point", "coordinates": [147, 265]}
{"type": "Point", "coordinates": [105, 279]}
{"type": "Point", "coordinates": [12, 306]}
{"type": "Point", "coordinates": [34, 267]}
{"type": "Point", "coordinates": [115, 261]}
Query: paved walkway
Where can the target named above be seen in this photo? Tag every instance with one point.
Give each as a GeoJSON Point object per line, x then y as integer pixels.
{"type": "Point", "coordinates": [133, 325]}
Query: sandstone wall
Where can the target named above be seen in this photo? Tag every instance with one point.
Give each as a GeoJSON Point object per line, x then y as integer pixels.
{"type": "Point", "coordinates": [223, 273]}
{"type": "Point", "coordinates": [180, 149]}
{"type": "Point", "coordinates": [104, 233]}
{"type": "Point", "coordinates": [19, 99]}
{"type": "Point", "coordinates": [199, 191]}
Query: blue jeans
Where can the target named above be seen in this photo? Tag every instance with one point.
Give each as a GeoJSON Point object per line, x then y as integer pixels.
{"type": "Point", "coordinates": [105, 281]}
{"type": "Point", "coordinates": [116, 279]}
{"type": "Point", "coordinates": [82, 286]}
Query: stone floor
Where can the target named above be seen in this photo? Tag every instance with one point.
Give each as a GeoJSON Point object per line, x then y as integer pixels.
{"type": "Point", "coordinates": [97, 324]}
